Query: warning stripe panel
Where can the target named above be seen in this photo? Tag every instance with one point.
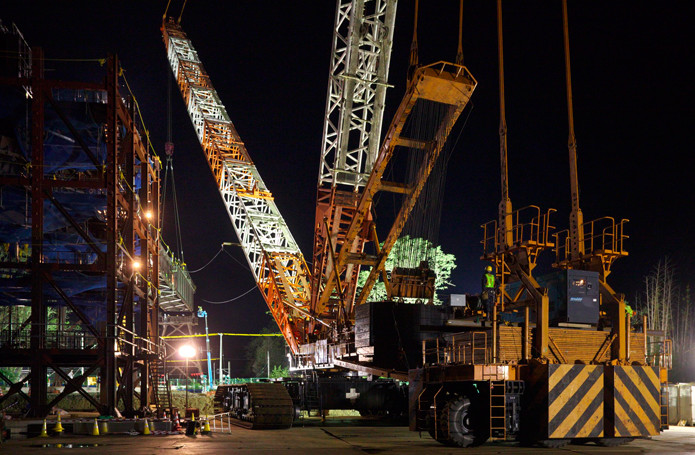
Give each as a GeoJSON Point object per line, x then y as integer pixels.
{"type": "Point", "coordinates": [575, 401]}
{"type": "Point", "coordinates": [636, 401]}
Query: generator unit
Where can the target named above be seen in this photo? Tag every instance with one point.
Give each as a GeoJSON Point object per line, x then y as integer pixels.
{"type": "Point", "coordinates": [573, 295]}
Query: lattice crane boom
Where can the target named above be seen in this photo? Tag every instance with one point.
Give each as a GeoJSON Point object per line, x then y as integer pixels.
{"type": "Point", "coordinates": [276, 262]}
{"type": "Point", "coordinates": [362, 40]}
{"type": "Point", "coordinates": [357, 83]}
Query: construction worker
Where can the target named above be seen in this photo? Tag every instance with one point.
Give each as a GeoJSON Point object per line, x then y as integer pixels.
{"type": "Point", "coordinates": [628, 309]}
{"type": "Point", "coordinates": [488, 294]}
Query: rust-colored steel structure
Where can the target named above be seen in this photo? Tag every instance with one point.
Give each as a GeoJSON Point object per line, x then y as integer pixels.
{"type": "Point", "coordinates": [114, 334]}
{"type": "Point", "coordinates": [445, 83]}
{"type": "Point", "coordinates": [274, 258]}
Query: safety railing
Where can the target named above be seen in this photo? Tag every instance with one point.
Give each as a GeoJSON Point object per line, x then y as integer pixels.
{"type": "Point", "coordinates": [529, 226]}
{"type": "Point", "coordinates": [19, 336]}
{"type": "Point", "coordinates": [602, 236]}
{"type": "Point", "coordinates": [127, 338]}
{"type": "Point", "coordinates": [174, 279]}
{"type": "Point", "coordinates": [219, 423]}
{"type": "Point", "coordinates": [469, 348]}
{"type": "Point", "coordinates": [67, 256]}
{"type": "Point", "coordinates": [660, 354]}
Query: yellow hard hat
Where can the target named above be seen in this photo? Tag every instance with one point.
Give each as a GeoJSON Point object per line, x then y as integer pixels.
{"type": "Point", "coordinates": [488, 268]}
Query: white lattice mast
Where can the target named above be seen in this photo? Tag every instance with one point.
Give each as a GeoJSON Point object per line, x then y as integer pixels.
{"type": "Point", "coordinates": [275, 260]}
{"type": "Point", "coordinates": [362, 41]}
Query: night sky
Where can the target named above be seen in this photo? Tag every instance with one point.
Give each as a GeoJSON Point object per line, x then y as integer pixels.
{"type": "Point", "coordinates": [632, 73]}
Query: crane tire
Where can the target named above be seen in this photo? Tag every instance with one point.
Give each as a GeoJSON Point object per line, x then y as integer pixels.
{"type": "Point", "coordinates": [465, 428]}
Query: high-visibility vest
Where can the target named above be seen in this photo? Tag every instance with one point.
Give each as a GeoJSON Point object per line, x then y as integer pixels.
{"type": "Point", "coordinates": [489, 280]}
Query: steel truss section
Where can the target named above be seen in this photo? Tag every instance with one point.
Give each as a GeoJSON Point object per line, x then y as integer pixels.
{"type": "Point", "coordinates": [177, 315]}
{"type": "Point", "coordinates": [362, 40]}
{"type": "Point", "coordinates": [110, 331]}
{"type": "Point", "coordinates": [448, 84]}
{"type": "Point", "coordinates": [272, 253]}
{"type": "Point", "coordinates": [176, 288]}
{"type": "Point", "coordinates": [357, 82]}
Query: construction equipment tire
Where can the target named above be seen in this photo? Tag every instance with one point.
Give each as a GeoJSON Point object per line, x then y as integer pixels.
{"type": "Point", "coordinates": [466, 428]}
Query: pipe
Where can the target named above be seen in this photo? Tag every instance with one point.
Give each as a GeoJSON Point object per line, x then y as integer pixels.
{"type": "Point", "coordinates": [524, 348]}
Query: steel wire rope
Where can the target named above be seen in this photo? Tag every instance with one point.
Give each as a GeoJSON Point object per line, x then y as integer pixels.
{"type": "Point", "coordinates": [179, 238]}
{"type": "Point", "coordinates": [209, 262]}
{"type": "Point", "coordinates": [181, 13]}
{"type": "Point", "coordinates": [166, 172]}
{"type": "Point", "coordinates": [170, 171]}
{"type": "Point", "coordinates": [166, 10]}
{"type": "Point", "coordinates": [164, 188]}
{"type": "Point", "coordinates": [137, 107]}
{"type": "Point", "coordinates": [422, 220]}
{"type": "Point", "coordinates": [237, 261]}
{"type": "Point", "coordinates": [230, 300]}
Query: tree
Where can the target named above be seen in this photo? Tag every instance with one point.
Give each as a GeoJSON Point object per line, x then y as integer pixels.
{"type": "Point", "coordinates": [408, 252]}
{"type": "Point", "coordinates": [260, 348]}
{"type": "Point", "coordinates": [660, 295]}
{"type": "Point", "coordinates": [280, 372]}
{"type": "Point", "coordinates": [671, 311]}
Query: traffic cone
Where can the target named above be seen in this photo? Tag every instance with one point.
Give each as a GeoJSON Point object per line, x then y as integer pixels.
{"type": "Point", "coordinates": [195, 425]}
{"type": "Point", "coordinates": [59, 427]}
{"type": "Point", "coordinates": [206, 427]}
{"type": "Point", "coordinates": [152, 426]}
{"type": "Point", "coordinates": [95, 428]}
{"type": "Point", "coordinates": [177, 424]}
{"type": "Point", "coordinates": [44, 433]}
{"type": "Point", "coordinates": [104, 427]}
{"type": "Point", "coordinates": [146, 430]}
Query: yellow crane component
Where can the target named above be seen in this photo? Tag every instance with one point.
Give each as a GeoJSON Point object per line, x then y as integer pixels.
{"type": "Point", "coordinates": [446, 83]}
{"type": "Point", "coordinates": [594, 245]}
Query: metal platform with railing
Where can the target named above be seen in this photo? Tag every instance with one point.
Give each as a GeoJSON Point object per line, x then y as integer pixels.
{"type": "Point", "coordinates": [176, 287]}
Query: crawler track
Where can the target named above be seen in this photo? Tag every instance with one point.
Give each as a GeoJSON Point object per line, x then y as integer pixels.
{"type": "Point", "coordinates": [256, 406]}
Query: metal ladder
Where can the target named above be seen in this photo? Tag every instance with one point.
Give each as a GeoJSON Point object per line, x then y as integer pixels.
{"type": "Point", "coordinates": [312, 399]}
{"type": "Point", "coordinates": [664, 406]}
{"type": "Point", "coordinates": [162, 388]}
{"type": "Point", "coordinates": [498, 410]}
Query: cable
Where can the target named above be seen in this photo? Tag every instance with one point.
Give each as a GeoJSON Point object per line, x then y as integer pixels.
{"type": "Point", "coordinates": [137, 106]}
{"type": "Point", "coordinates": [164, 192]}
{"type": "Point", "coordinates": [238, 262]}
{"type": "Point", "coordinates": [179, 238]}
{"type": "Point", "coordinates": [230, 300]}
{"type": "Point", "coordinates": [181, 14]}
{"type": "Point", "coordinates": [209, 262]}
{"type": "Point", "coordinates": [166, 10]}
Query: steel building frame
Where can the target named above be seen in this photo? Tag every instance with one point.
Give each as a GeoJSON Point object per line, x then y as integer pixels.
{"type": "Point", "coordinates": [121, 346]}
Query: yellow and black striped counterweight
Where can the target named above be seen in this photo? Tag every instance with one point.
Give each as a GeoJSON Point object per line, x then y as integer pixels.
{"type": "Point", "coordinates": [564, 401]}
{"type": "Point", "coordinates": [633, 395]}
